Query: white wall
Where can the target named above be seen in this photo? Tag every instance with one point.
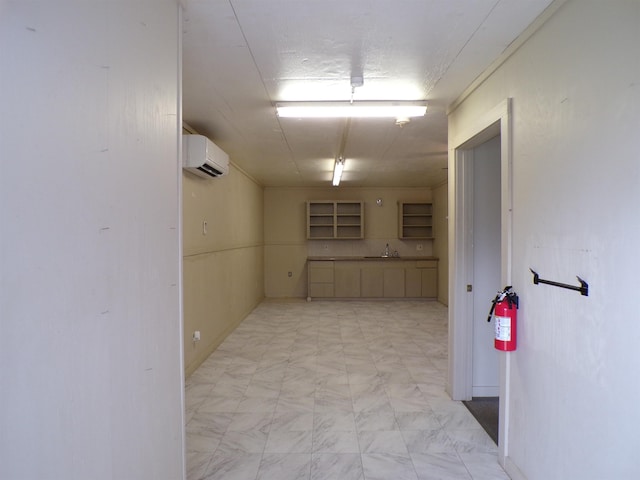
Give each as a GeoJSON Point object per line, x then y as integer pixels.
{"type": "Point", "coordinates": [574, 392]}
{"type": "Point", "coordinates": [90, 333]}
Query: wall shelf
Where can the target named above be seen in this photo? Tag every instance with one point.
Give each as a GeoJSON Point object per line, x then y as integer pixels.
{"type": "Point", "coordinates": [331, 219]}
{"type": "Point", "coordinates": [415, 220]}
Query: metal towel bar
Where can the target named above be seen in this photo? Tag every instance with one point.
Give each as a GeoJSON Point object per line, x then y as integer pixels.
{"type": "Point", "coordinates": [583, 288]}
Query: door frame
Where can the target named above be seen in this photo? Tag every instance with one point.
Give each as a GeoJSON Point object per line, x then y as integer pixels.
{"type": "Point", "coordinates": [496, 121]}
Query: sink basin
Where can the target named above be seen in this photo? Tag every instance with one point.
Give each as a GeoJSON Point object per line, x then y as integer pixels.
{"type": "Point", "coordinates": [381, 256]}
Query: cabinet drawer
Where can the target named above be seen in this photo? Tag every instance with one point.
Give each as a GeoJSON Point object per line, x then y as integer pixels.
{"type": "Point", "coordinates": [426, 264]}
{"type": "Point", "coordinates": [321, 272]}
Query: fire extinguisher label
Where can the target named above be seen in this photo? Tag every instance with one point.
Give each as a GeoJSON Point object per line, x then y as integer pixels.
{"type": "Point", "coordinates": [503, 329]}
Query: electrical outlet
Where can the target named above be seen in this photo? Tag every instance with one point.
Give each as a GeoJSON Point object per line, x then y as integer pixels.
{"type": "Point", "coordinates": [419, 247]}
{"type": "Point", "coordinates": [196, 336]}
{"type": "Point", "coordinates": [204, 227]}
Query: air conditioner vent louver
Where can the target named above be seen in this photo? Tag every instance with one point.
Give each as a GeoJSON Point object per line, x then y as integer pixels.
{"type": "Point", "coordinates": [202, 157]}
{"type": "Point", "coordinates": [210, 171]}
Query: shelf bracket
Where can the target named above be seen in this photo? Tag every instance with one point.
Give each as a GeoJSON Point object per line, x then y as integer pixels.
{"type": "Point", "coordinates": [583, 288]}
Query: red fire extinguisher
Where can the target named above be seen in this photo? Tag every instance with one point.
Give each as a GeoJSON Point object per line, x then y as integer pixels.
{"type": "Point", "coordinates": [505, 306]}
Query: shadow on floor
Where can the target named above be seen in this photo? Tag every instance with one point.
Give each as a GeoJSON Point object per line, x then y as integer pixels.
{"type": "Point", "coordinates": [485, 411]}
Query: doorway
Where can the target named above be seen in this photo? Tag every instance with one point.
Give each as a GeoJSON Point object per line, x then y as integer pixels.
{"type": "Point", "coordinates": [465, 288]}
{"type": "Point", "coordinates": [484, 240]}
{"type": "Point", "coordinates": [484, 246]}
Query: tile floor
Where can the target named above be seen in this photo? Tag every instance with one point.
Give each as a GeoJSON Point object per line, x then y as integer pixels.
{"type": "Point", "coordinates": [335, 390]}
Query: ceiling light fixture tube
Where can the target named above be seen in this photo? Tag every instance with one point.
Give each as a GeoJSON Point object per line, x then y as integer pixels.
{"type": "Point", "coordinates": [377, 109]}
{"type": "Point", "coordinates": [337, 171]}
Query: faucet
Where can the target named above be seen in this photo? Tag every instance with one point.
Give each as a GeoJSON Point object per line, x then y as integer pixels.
{"type": "Point", "coordinates": [386, 251]}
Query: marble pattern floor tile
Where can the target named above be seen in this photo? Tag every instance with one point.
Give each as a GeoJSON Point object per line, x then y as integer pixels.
{"type": "Point", "coordinates": [290, 441]}
{"type": "Point", "coordinates": [386, 466]}
{"type": "Point", "coordinates": [285, 467]}
{"type": "Point", "coordinates": [235, 466]}
{"type": "Point", "coordinates": [440, 466]}
{"type": "Point", "coordinates": [333, 390]}
{"type": "Point", "coordinates": [382, 441]}
{"type": "Point", "coordinates": [343, 466]}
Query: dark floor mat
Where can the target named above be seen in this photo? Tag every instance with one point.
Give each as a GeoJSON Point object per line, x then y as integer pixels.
{"type": "Point", "coordinates": [485, 411]}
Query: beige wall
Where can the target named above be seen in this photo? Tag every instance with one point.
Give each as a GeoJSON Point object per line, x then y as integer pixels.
{"type": "Point", "coordinates": [286, 246]}
{"type": "Point", "coordinates": [256, 236]}
{"type": "Point", "coordinates": [224, 268]}
{"type": "Point", "coordinates": [441, 242]}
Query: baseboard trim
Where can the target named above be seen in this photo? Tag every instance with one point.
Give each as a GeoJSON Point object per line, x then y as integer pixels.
{"type": "Point", "coordinates": [485, 391]}
{"type": "Point", "coordinates": [512, 470]}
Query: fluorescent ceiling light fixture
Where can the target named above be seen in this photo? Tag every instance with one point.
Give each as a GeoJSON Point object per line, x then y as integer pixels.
{"type": "Point", "coordinates": [378, 109]}
{"type": "Point", "coordinates": [337, 171]}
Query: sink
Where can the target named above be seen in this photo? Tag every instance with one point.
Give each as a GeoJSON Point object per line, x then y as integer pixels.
{"type": "Point", "coordinates": [381, 256]}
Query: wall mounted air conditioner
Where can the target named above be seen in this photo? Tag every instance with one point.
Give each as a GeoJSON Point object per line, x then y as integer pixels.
{"type": "Point", "coordinates": [203, 157]}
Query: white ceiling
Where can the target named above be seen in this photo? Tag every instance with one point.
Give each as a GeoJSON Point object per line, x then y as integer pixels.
{"type": "Point", "coordinates": [240, 57]}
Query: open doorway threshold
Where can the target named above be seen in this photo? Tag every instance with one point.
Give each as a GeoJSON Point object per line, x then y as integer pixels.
{"type": "Point", "coordinates": [485, 411]}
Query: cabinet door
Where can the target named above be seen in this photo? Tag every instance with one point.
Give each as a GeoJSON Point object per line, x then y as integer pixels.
{"type": "Point", "coordinates": [322, 273]}
{"type": "Point", "coordinates": [321, 290]}
{"type": "Point", "coordinates": [413, 282]}
{"type": "Point", "coordinates": [372, 282]}
{"type": "Point", "coordinates": [347, 279]}
{"type": "Point", "coordinates": [430, 282]}
{"type": "Point", "coordinates": [394, 282]}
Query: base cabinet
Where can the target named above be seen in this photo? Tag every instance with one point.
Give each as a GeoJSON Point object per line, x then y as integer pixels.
{"type": "Point", "coordinates": [413, 282]}
{"type": "Point", "coordinates": [347, 279]}
{"type": "Point", "coordinates": [373, 279]}
{"type": "Point", "coordinates": [372, 282]}
{"type": "Point", "coordinates": [429, 280]}
{"type": "Point", "coordinates": [394, 283]}
{"type": "Point", "coordinates": [320, 279]}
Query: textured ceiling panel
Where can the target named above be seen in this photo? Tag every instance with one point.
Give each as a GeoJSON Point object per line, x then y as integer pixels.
{"type": "Point", "coordinates": [242, 56]}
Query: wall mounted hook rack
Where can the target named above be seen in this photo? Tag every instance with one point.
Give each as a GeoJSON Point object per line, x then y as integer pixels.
{"type": "Point", "coordinates": [583, 288]}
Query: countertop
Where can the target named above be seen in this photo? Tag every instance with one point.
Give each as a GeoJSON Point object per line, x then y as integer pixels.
{"type": "Point", "coordinates": [356, 259]}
